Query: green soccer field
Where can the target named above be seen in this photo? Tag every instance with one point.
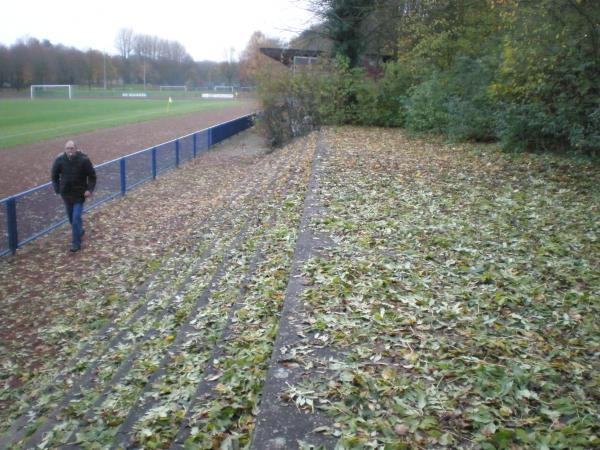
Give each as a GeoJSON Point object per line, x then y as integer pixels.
{"type": "Point", "coordinates": [26, 121]}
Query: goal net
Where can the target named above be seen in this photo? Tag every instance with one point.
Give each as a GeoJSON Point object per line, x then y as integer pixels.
{"type": "Point", "coordinates": [51, 91]}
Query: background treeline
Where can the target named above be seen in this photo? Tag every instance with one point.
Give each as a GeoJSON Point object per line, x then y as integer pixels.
{"type": "Point", "coordinates": [524, 73]}
{"type": "Point", "coordinates": [141, 59]}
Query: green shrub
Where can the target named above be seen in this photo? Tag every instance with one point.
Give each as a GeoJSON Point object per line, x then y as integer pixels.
{"type": "Point", "coordinates": [339, 92]}
{"type": "Point", "coordinates": [351, 97]}
{"type": "Point", "coordinates": [367, 99]}
{"type": "Point", "coordinates": [273, 120]}
{"type": "Point", "coordinates": [427, 107]}
{"type": "Point", "coordinates": [470, 106]}
{"type": "Point", "coordinates": [290, 106]}
{"type": "Point", "coordinates": [455, 103]}
{"type": "Point", "coordinates": [590, 137]}
{"type": "Point", "coordinates": [549, 126]}
{"type": "Point", "coordinates": [530, 127]}
{"type": "Point", "coordinates": [471, 120]}
{"type": "Point", "coordinates": [387, 97]}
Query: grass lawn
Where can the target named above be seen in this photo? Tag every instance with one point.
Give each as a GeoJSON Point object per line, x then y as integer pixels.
{"type": "Point", "coordinates": [26, 121]}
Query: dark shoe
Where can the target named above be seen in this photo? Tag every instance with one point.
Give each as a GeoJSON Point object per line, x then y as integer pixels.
{"type": "Point", "coordinates": [75, 248]}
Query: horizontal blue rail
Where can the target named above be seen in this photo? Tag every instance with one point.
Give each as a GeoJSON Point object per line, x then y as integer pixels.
{"type": "Point", "coordinates": [36, 212]}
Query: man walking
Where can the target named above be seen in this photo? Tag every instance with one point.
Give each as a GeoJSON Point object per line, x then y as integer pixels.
{"type": "Point", "coordinates": [74, 178]}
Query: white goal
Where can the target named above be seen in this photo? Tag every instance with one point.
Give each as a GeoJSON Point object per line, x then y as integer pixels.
{"type": "Point", "coordinates": [223, 88]}
{"type": "Point", "coordinates": [51, 91]}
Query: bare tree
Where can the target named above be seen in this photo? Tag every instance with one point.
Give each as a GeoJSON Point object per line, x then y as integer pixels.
{"type": "Point", "coordinates": [252, 60]}
{"type": "Point", "coordinates": [141, 45]}
{"type": "Point", "coordinates": [5, 69]}
{"type": "Point", "coordinates": [230, 67]}
{"type": "Point", "coordinates": [94, 70]}
{"type": "Point", "coordinates": [124, 42]}
{"type": "Point", "coordinates": [141, 58]}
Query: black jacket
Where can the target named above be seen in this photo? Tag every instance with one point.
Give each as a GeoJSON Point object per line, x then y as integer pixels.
{"type": "Point", "coordinates": [72, 177]}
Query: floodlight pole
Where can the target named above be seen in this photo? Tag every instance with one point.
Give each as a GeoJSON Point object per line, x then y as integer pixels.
{"type": "Point", "coordinates": [104, 55]}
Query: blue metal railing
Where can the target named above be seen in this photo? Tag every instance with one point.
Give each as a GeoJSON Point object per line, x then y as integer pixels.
{"type": "Point", "coordinates": [36, 212]}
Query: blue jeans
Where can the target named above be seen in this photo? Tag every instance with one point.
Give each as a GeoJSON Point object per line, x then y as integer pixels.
{"type": "Point", "coordinates": [74, 211]}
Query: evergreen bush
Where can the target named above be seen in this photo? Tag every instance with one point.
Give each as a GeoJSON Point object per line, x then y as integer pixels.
{"type": "Point", "coordinates": [427, 106]}
{"type": "Point", "coordinates": [470, 106]}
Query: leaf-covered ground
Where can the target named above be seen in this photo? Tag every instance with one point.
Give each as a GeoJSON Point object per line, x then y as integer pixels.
{"type": "Point", "coordinates": [463, 288]}
{"type": "Point", "coordinates": [451, 300]}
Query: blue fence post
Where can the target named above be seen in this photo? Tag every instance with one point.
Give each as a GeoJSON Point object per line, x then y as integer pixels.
{"type": "Point", "coordinates": [209, 138]}
{"type": "Point", "coordinates": [11, 218]}
{"type": "Point", "coordinates": [195, 142]}
{"type": "Point", "coordinates": [123, 176]}
{"type": "Point", "coordinates": [177, 153]}
{"type": "Point", "coordinates": [153, 163]}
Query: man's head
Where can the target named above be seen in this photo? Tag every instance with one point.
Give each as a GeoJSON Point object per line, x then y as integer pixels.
{"type": "Point", "coordinates": [70, 149]}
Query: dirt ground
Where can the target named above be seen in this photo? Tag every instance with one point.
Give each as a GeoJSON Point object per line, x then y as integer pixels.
{"type": "Point", "coordinates": [44, 282]}
{"type": "Point", "coordinates": [27, 166]}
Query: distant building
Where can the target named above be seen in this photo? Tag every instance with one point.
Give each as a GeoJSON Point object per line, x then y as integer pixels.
{"type": "Point", "coordinates": [294, 58]}
{"type": "Point", "coordinates": [299, 59]}
{"type": "Point", "coordinates": [286, 56]}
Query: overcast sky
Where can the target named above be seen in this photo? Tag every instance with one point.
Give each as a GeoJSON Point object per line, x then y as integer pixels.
{"type": "Point", "coordinates": [206, 28]}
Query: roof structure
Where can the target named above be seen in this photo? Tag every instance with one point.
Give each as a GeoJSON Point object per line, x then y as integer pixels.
{"type": "Point", "coordinates": [286, 55]}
